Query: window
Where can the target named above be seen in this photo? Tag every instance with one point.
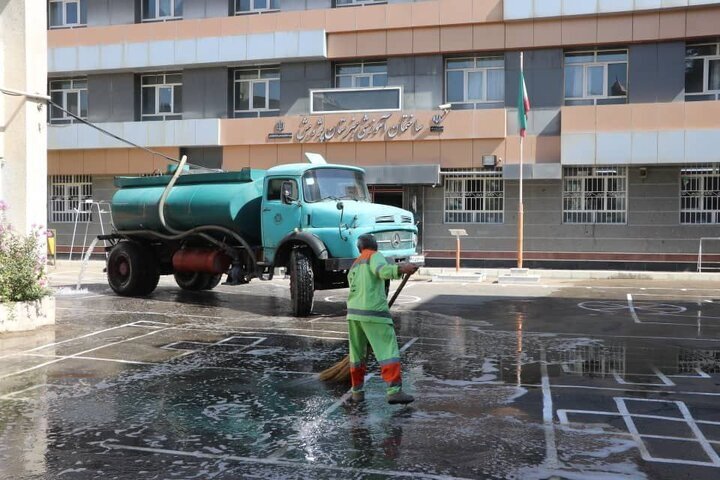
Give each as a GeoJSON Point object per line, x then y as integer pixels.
{"type": "Point", "coordinates": [702, 71]}
{"type": "Point", "coordinates": [67, 13]}
{"type": "Point", "coordinates": [161, 96]}
{"type": "Point", "coordinates": [473, 80]}
{"type": "Point", "coordinates": [348, 3]}
{"type": "Point", "coordinates": [72, 95]}
{"type": "Point", "coordinates": [334, 184]}
{"type": "Point", "coordinates": [595, 194]}
{"type": "Point", "coordinates": [361, 75]}
{"type": "Point", "coordinates": [474, 196]}
{"type": "Point", "coordinates": [161, 10]}
{"type": "Point", "coordinates": [275, 188]}
{"type": "Point", "coordinates": [700, 194]}
{"type": "Point", "coordinates": [69, 195]}
{"type": "Point", "coordinates": [256, 6]}
{"type": "Point", "coordinates": [257, 92]}
{"type": "Point", "coordinates": [596, 77]}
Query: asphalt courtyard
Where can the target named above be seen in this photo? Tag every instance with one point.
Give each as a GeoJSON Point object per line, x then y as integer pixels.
{"type": "Point", "coordinates": [565, 379]}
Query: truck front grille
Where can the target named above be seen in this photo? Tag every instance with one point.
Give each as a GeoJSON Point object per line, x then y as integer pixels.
{"type": "Point", "coordinates": [396, 240]}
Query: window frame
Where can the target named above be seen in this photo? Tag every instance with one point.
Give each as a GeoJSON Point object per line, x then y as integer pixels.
{"type": "Point", "coordinates": [64, 4]}
{"type": "Point", "coordinates": [157, 17]}
{"type": "Point", "coordinates": [466, 72]}
{"type": "Point", "coordinates": [622, 174]}
{"type": "Point", "coordinates": [375, 110]}
{"type": "Point", "coordinates": [148, 117]}
{"type": "Point", "coordinates": [484, 215]}
{"type": "Point", "coordinates": [359, 3]}
{"type": "Point", "coordinates": [595, 63]}
{"type": "Point", "coordinates": [65, 200]}
{"type": "Point", "coordinates": [66, 119]}
{"type": "Point", "coordinates": [281, 180]}
{"type": "Point", "coordinates": [354, 76]}
{"type": "Point", "coordinates": [702, 173]}
{"type": "Point", "coordinates": [252, 81]}
{"type": "Point", "coordinates": [256, 10]}
{"type": "Point", "coordinates": [706, 92]}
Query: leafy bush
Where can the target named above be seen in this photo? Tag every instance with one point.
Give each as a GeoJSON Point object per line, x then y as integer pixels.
{"type": "Point", "coordinates": [22, 263]}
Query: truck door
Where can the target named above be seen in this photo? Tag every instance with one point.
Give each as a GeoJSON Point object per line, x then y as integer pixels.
{"type": "Point", "coordinates": [278, 218]}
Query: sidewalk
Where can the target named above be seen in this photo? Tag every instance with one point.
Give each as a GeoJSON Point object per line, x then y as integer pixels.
{"type": "Point", "coordinates": [492, 274]}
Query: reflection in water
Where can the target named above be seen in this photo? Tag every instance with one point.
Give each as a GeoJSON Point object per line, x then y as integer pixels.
{"type": "Point", "coordinates": [595, 360]}
{"type": "Point", "coordinates": [25, 409]}
{"type": "Point", "coordinates": [519, 319]}
{"type": "Point", "coordinates": [689, 361]}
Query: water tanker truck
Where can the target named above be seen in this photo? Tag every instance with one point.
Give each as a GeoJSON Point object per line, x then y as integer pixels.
{"type": "Point", "coordinates": [201, 226]}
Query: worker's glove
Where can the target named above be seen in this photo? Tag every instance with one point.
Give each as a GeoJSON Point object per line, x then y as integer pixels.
{"type": "Point", "coordinates": [408, 268]}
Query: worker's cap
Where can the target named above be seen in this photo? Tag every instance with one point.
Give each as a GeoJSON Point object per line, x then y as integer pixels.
{"type": "Point", "coordinates": [367, 242]}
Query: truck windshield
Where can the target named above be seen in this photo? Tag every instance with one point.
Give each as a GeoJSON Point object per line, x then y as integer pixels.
{"type": "Point", "coordinates": [334, 184]}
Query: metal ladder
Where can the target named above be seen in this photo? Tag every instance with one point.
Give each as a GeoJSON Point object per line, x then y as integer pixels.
{"type": "Point", "coordinates": [99, 207]}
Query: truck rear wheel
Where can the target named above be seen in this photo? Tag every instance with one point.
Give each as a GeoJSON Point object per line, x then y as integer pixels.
{"type": "Point", "coordinates": [196, 281]}
{"type": "Point", "coordinates": [302, 284]}
{"type": "Point", "coordinates": [132, 270]}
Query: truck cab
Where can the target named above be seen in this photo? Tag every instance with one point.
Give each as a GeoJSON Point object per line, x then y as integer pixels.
{"type": "Point", "coordinates": [312, 215]}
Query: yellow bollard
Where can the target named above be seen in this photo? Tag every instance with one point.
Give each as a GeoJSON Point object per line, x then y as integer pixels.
{"type": "Point", "coordinates": [51, 234]}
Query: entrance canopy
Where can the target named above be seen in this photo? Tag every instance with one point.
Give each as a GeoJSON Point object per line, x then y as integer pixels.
{"type": "Point", "coordinates": [403, 175]}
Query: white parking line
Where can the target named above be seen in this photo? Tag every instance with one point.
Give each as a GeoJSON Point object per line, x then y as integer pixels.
{"type": "Point", "coordinates": [632, 309]}
{"type": "Point", "coordinates": [551, 455]}
{"type": "Point", "coordinates": [79, 354]}
{"type": "Point", "coordinates": [349, 472]}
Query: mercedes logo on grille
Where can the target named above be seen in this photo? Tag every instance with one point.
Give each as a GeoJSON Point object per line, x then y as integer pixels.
{"type": "Point", "coordinates": [396, 240]}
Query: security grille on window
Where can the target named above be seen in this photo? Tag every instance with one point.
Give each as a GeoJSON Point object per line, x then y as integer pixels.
{"type": "Point", "coordinates": [70, 196]}
{"type": "Point", "coordinates": [161, 10]}
{"type": "Point", "coordinates": [702, 71]}
{"type": "Point", "coordinates": [596, 77]}
{"type": "Point", "coordinates": [243, 7]}
{"type": "Point", "coordinates": [595, 194]}
{"type": "Point", "coordinates": [474, 196]}
{"type": "Point", "coordinates": [72, 95]}
{"type": "Point", "coordinates": [347, 3]}
{"type": "Point", "coordinates": [257, 92]}
{"type": "Point", "coordinates": [700, 194]}
{"type": "Point", "coordinates": [67, 13]}
{"type": "Point", "coordinates": [361, 75]}
{"type": "Point", "coordinates": [475, 80]}
{"type": "Point", "coordinates": [161, 96]}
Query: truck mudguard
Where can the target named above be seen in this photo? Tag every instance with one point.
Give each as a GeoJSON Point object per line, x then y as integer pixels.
{"type": "Point", "coordinates": [293, 238]}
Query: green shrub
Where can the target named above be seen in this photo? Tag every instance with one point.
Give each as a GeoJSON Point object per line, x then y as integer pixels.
{"type": "Point", "coordinates": [22, 263]}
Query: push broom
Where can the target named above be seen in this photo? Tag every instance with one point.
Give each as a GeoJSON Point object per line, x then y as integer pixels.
{"type": "Point", "coordinates": [340, 372]}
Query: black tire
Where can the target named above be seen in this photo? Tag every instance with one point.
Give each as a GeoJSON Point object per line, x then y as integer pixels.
{"type": "Point", "coordinates": [302, 283]}
{"type": "Point", "coordinates": [196, 281]}
{"type": "Point", "coordinates": [132, 270]}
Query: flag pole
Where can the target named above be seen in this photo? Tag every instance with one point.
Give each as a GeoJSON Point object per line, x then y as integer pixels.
{"type": "Point", "coordinates": [521, 209]}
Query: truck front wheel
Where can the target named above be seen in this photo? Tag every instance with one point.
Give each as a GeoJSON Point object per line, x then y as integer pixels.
{"type": "Point", "coordinates": [132, 270]}
{"type": "Point", "coordinates": [302, 283]}
{"type": "Point", "coordinates": [196, 281]}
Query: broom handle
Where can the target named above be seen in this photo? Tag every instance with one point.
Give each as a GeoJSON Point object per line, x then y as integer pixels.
{"type": "Point", "coordinates": [405, 279]}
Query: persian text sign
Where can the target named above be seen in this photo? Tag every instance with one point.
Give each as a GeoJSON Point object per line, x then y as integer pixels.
{"type": "Point", "coordinates": [382, 127]}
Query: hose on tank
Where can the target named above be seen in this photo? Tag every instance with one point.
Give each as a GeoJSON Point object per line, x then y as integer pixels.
{"type": "Point", "coordinates": [198, 230]}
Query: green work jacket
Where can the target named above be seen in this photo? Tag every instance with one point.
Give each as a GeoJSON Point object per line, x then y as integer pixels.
{"type": "Point", "coordinates": [367, 301]}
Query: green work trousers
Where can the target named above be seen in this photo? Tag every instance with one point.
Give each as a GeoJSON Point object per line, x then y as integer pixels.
{"type": "Point", "coordinates": [382, 339]}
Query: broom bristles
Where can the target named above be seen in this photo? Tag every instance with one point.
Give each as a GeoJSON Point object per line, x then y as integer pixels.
{"type": "Point", "coordinates": [340, 372]}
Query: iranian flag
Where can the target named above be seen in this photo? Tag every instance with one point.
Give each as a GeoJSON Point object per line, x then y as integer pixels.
{"type": "Point", "coordinates": [523, 102]}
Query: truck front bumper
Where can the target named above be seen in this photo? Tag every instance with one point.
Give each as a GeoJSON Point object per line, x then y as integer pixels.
{"type": "Point", "coordinates": [336, 264]}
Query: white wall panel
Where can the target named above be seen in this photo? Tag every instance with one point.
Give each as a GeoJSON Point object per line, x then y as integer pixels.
{"type": "Point", "coordinates": [641, 147]}
{"type": "Point", "coordinates": [277, 46]}
{"type": "Point", "coordinates": [524, 9]}
{"type": "Point", "coordinates": [205, 132]}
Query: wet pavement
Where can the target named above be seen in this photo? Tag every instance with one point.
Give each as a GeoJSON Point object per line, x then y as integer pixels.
{"type": "Point", "coordinates": [566, 379]}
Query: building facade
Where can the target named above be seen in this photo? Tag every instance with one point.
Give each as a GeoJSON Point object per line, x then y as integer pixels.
{"type": "Point", "coordinates": [621, 162]}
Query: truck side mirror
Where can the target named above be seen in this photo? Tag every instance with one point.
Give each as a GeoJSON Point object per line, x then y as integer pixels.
{"type": "Point", "coordinates": [288, 193]}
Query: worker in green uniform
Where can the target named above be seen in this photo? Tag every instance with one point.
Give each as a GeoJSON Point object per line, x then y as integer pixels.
{"type": "Point", "coordinates": [369, 320]}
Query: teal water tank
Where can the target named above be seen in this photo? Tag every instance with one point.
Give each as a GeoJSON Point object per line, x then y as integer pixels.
{"type": "Point", "coordinates": [228, 199]}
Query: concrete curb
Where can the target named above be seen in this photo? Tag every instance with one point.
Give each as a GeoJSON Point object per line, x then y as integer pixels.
{"type": "Point", "coordinates": [494, 273]}
{"type": "Point", "coordinates": [24, 316]}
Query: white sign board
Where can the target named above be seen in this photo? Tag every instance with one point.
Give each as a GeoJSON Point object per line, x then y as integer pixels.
{"type": "Point", "coordinates": [458, 232]}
